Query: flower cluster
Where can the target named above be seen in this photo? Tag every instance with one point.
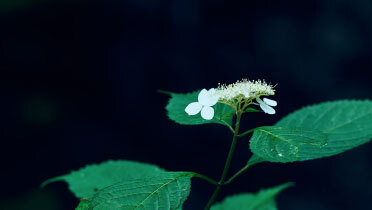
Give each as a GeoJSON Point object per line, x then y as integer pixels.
{"type": "Point", "coordinates": [244, 89]}
{"type": "Point", "coordinates": [241, 91]}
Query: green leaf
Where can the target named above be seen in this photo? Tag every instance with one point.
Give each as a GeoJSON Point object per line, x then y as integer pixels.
{"type": "Point", "coordinates": [223, 114]}
{"type": "Point", "coordinates": [167, 191]}
{"type": "Point", "coordinates": [254, 159]}
{"type": "Point", "coordinates": [250, 109]}
{"type": "Point", "coordinates": [88, 180]}
{"type": "Point", "coordinates": [263, 200]}
{"type": "Point", "coordinates": [347, 123]}
{"type": "Point", "coordinates": [279, 144]}
{"type": "Point", "coordinates": [84, 205]}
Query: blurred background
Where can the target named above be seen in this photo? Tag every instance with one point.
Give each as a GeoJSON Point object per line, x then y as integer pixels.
{"type": "Point", "coordinates": [79, 81]}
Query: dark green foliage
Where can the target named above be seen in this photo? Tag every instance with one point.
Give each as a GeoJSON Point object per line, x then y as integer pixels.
{"type": "Point", "coordinates": [167, 191]}
{"type": "Point", "coordinates": [263, 200]}
{"type": "Point", "coordinates": [178, 102]}
{"type": "Point", "coordinates": [278, 144]}
{"type": "Point", "coordinates": [87, 181]}
{"type": "Point", "coordinates": [347, 123]}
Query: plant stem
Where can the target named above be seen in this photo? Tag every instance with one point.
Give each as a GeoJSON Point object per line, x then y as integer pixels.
{"type": "Point", "coordinates": [241, 171]}
{"type": "Point", "coordinates": [206, 178]}
{"type": "Point", "coordinates": [252, 161]}
{"type": "Point", "coordinates": [245, 133]}
{"type": "Point", "coordinates": [227, 164]}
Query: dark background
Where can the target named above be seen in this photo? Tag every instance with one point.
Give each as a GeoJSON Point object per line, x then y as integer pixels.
{"type": "Point", "coordinates": [79, 79]}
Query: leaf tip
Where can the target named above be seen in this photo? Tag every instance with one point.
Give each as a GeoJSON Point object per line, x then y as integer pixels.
{"type": "Point", "coordinates": [289, 184]}
{"type": "Point", "coordinates": [51, 180]}
{"type": "Point", "coordinates": [164, 92]}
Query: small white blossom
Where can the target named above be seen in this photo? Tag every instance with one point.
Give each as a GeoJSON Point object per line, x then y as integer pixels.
{"type": "Point", "coordinates": [244, 89]}
{"type": "Point", "coordinates": [266, 105]}
{"type": "Point", "coordinates": [238, 95]}
{"type": "Point", "coordinates": [206, 99]}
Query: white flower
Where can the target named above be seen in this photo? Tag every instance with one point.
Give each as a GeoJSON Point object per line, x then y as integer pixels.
{"type": "Point", "coordinates": [266, 105]}
{"type": "Point", "coordinates": [244, 89]}
{"type": "Point", "coordinates": [206, 99]}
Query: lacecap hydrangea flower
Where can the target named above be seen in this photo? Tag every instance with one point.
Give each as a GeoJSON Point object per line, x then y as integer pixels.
{"type": "Point", "coordinates": [206, 99]}
{"type": "Point", "coordinates": [244, 91]}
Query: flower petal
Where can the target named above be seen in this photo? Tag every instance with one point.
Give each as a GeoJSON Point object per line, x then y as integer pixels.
{"type": "Point", "coordinates": [270, 102]}
{"type": "Point", "coordinates": [193, 108]}
{"type": "Point", "coordinates": [259, 101]}
{"type": "Point", "coordinates": [207, 113]}
{"type": "Point", "coordinates": [203, 96]}
{"type": "Point", "coordinates": [213, 97]}
{"type": "Point", "coordinates": [212, 91]}
{"type": "Point", "coordinates": [208, 98]}
{"type": "Point", "coordinates": [266, 108]}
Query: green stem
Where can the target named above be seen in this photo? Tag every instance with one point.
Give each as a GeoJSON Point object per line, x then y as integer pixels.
{"type": "Point", "coordinates": [252, 162]}
{"type": "Point", "coordinates": [227, 124]}
{"type": "Point", "coordinates": [227, 164]}
{"type": "Point", "coordinates": [206, 178]}
{"type": "Point", "coordinates": [240, 172]}
{"type": "Point", "coordinates": [245, 133]}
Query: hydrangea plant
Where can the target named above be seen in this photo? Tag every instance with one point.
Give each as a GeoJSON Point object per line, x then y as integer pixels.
{"type": "Point", "coordinates": [315, 131]}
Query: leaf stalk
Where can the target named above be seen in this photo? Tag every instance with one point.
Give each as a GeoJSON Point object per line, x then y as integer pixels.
{"type": "Point", "coordinates": [246, 133]}
{"type": "Point", "coordinates": [240, 172]}
{"type": "Point", "coordinates": [206, 179]}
